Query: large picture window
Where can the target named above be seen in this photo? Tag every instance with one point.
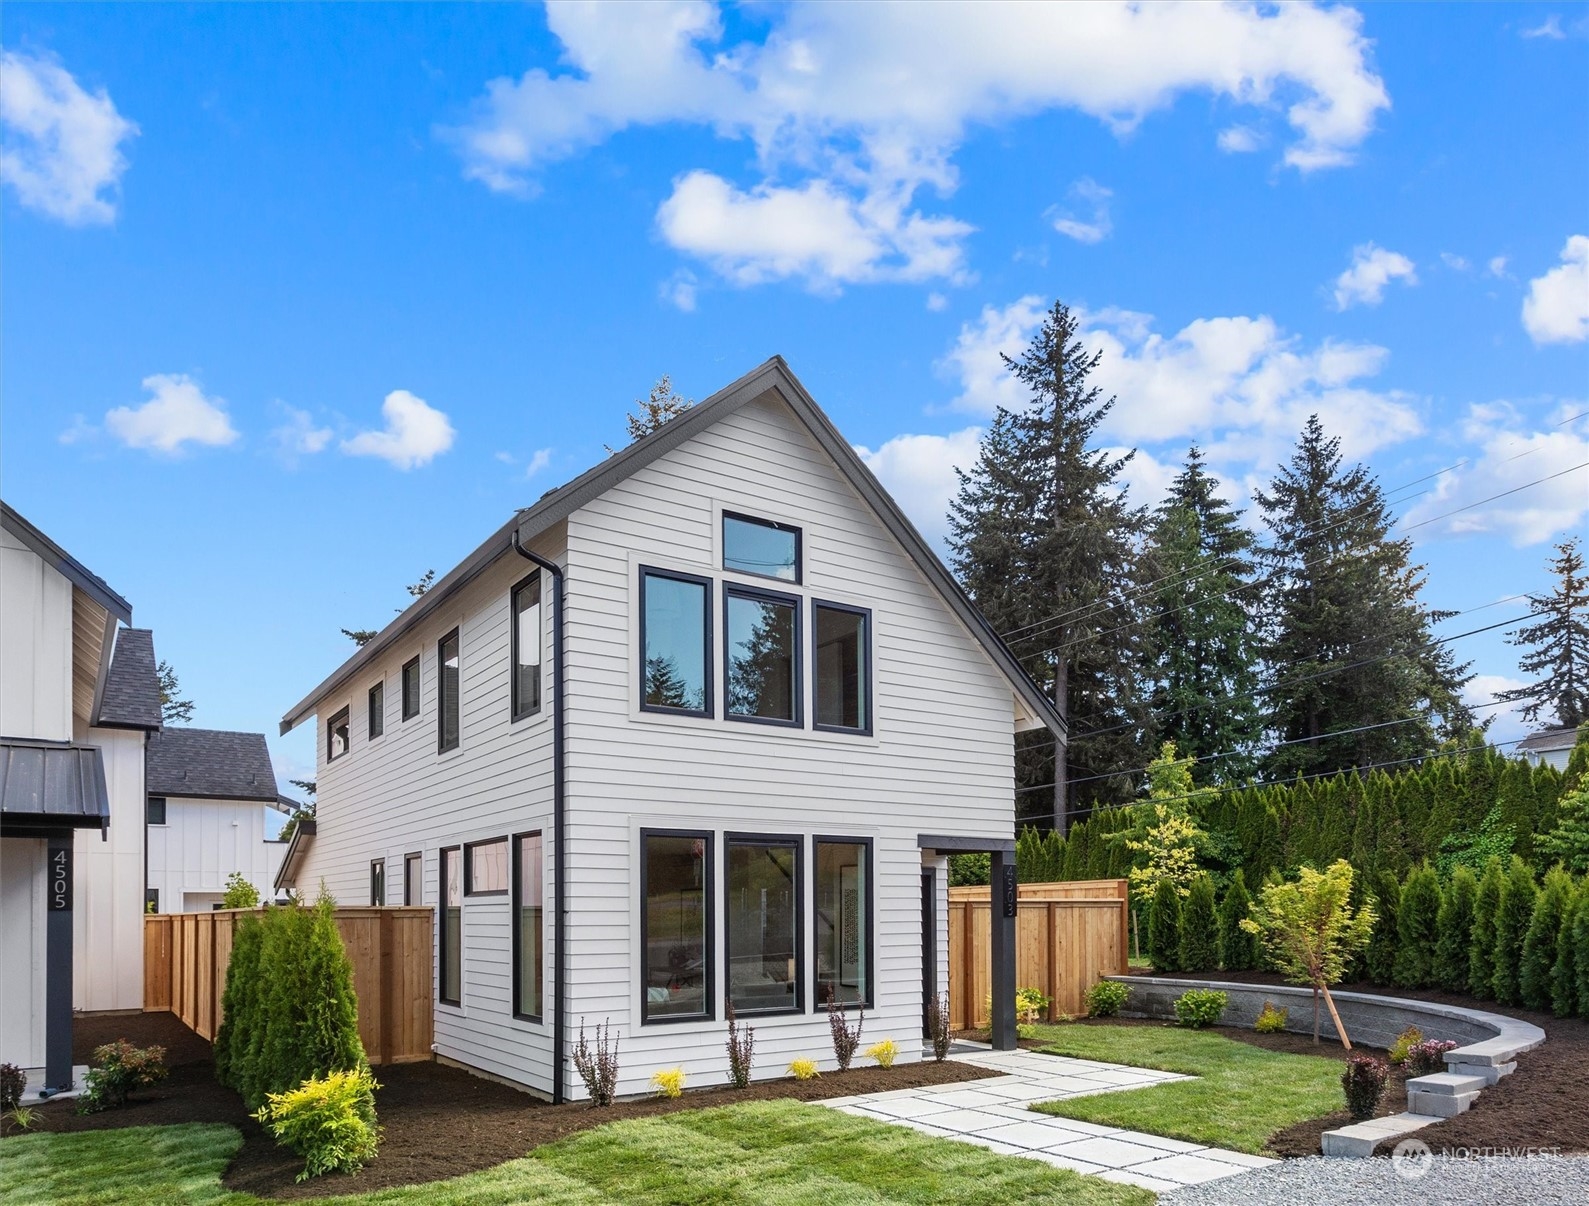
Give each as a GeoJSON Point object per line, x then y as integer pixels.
{"type": "Point", "coordinates": [447, 692]}
{"type": "Point", "coordinates": [762, 911]}
{"type": "Point", "coordinates": [675, 924]}
{"type": "Point", "coordinates": [528, 919]}
{"type": "Point", "coordinates": [841, 643]}
{"type": "Point", "coordinates": [844, 920]}
{"type": "Point", "coordinates": [451, 925]}
{"type": "Point", "coordinates": [675, 642]}
{"type": "Point", "coordinates": [761, 656]}
{"type": "Point", "coordinates": [337, 736]}
{"type": "Point", "coordinates": [760, 546]}
{"type": "Point", "coordinates": [527, 647]}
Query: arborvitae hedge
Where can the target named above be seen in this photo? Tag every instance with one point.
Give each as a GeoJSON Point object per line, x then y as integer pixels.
{"type": "Point", "coordinates": [1539, 943]}
{"type": "Point", "coordinates": [1580, 948]}
{"type": "Point", "coordinates": [1164, 928]}
{"type": "Point", "coordinates": [1417, 929]}
{"type": "Point", "coordinates": [1455, 924]}
{"type": "Point", "coordinates": [1238, 950]}
{"type": "Point", "coordinates": [1486, 907]}
{"type": "Point", "coordinates": [239, 1001]}
{"type": "Point", "coordinates": [1564, 1000]}
{"type": "Point", "coordinates": [1381, 955]}
{"type": "Point", "coordinates": [1199, 937]}
{"type": "Point", "coordinates": [1511, 927]}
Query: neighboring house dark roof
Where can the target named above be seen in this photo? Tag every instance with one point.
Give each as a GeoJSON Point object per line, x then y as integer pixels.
{"type": "Point", "coordinates": [91, 584]}
{"type": "Point", "coordinates": [772, 377]}
{"type": "Point", "coordinates": [1550, 739]}
{"type": "Point", "coordinates": [211, 763]}
{"type": "Point", "coordinates": [46, 786]}
{"type": "Point", "coordinates": [131, 698]}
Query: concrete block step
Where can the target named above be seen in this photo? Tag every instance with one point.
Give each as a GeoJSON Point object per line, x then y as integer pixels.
{"type": "Point", "coordinates": [1449, 1083]}
{"type": "Point", "coordinates": [1490, 1072]}
{"type": "Point", "coordinates": [1438, 1105]}
{"type": "Point", "coordinates": [1361, 1138]}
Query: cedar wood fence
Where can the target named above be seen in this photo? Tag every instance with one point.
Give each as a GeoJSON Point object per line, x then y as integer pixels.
{"type": "Point", "coordinates": [185, 956]}
{"type": "Point", "coordinates": [1067, 935]}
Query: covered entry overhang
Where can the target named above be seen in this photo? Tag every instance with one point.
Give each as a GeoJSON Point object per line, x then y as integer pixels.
{"type": "Point", "coordinates": [1001, 948]}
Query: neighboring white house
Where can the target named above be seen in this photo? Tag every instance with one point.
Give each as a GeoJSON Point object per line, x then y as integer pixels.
{"type": "Point", "coordinates": [1553, 747]}
{"type": "Point", "coordinates": [78, 695]}
{"type": "Point", "coordinates": [699, 727]}
{"type": "Point", "coordinates": [208, 792]}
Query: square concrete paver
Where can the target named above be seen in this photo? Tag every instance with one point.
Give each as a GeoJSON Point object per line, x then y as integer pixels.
{"type": "Point", "coordinates": [1036, 1134]}
{"type": "Point", "coordinates": [1240, 1158]}
{"type": "Point", "coordinates": [1124, 1176]}
{"type": "Point", "coordinates": [1187, 1170]}
{"type": "Point", "coordinates": [907, 1107]}
{"type": "Point", "coordinates": [969, 1121]}
{"type": "Point", "coordinates": [1110, 1152]}
{"type": "Point", "coordinates": [969, 1098]}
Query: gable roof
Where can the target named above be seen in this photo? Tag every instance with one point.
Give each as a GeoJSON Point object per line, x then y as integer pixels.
{"type": "Point", "coordinates": [1550, 739]}
{"type": "Point", "coordinates": [212, 763]}
{"type": "Point", "coordinates": [772, 377]}
{"type": "Point", "coordinates": [131, 698]}
{"type": "Point", "coordinates": [53, 555]}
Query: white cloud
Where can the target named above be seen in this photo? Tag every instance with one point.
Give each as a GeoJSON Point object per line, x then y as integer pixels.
{"type": "Point", "coordinates": [1550, 28]}
{"type": "Point", "coordinates": [681, 291]}
{"type": "Point", "coordinates": [539, 460]}
{"type": "Point", "coordinates": [1454, 262]}
{"type": "Point", "coordinates": [1508, 725]}
{"type": "Point", "coordinates": [853, 109]}
{"type": "Point", "coordinates": [1497, 265]}
{"type": "Point", "coordinates": [919, 471]}
{"type": "Point", "coordinates": [297, 435]}
{"type": "Point", "coordinates": [1239, 140]}
{"type": "Point", "coordinates": [1098, 225]}
{"type": "Point", "coordinates": [937, 302]}
{"type": "Point", "coordinates": [178, 413]}
{"type": "Point", "coordinates": [1372, 269]}
{"type": "Point", "coordinates": [976, 359]}
{"type": "Point", "coordinates": [63, 148]}
{"type": "Point", "coordinates": [1510, 452]}
{"type": "Point", "coordinates": [415, 433]}
{"type": "Point", "coordinates": [1556, 309]}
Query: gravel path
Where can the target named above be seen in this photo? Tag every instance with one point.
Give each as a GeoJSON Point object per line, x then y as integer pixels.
{"type": "Point", "coordinates": [1537, 1181]}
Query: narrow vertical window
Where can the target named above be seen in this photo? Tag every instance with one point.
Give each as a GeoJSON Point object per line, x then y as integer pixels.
{"type": "Point", "coordinates": [675, 924]}
{"type": "Point", "coordinates": [447, 692]}
{"type": "Point", "coordinates": [527, 926]}
{"type": "Point", "coordinates": [155, 810]}
{"type": "Point", "coordinates": [413, 879]}
{"type": "Point", "coordinates": [411, 688]}
{"type": "Point", "coordinates": [760, 546]}
{"type": "Point", "coordinates": [527, 646]}
{"type": "Point", "coordinates": [761, 658]}
{"type": "Point", "coordinates": [337, 736]}
{"type": "Point", "coordinates": [761, 911]}
{"type": "Point", "coordinates": [451, 925]}
{"type": "Point", "coordinates": [151, 900]}
{"type": "Point", "coordinates": [378, 881]}
{"type": "Point", "coordinates": [844, 921]}
{"type": "Point", "coordinates": [842, 656]}
{"type": "Point", "coordinates": [377, 710]}
{"type": "Point", "coordinates": [675, 643]}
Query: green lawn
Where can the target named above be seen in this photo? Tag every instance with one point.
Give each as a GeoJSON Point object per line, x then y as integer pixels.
{"type": "Point", "coordinates": [769, 1153]}
{"type": "Point", "coordinates": [1244, 1094]}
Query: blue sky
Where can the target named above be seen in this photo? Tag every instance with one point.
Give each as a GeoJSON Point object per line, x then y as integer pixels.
{"type": "Point", "coordinates": [299, 301]}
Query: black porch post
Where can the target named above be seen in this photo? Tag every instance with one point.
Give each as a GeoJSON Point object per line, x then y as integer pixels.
{"type": "Point", "coordinates": [1002, 949]}
{"type": "Point", "coordinates": [58, 962]}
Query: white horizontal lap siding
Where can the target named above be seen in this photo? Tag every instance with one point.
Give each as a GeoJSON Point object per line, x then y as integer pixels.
{"type": "Point", "coordinates": [941, 760]}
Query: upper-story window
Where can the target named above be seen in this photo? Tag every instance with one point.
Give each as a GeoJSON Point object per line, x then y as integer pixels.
{"type": "Point", "coordinates": [447, 692]}
{"type": "Point", "coordinates": [411, 688]}
{"type": "Point", "coordinates": [527, 646]}
{"type": "Point", "coordinates": [675, 642]}
{"type": "Point", "coordinates": [842, 661]}
{"type": "Point", "coordinates": [337, 736]}
{"type": "Point", "coordinates": [760, 546]}
{"type": "Point", "coordinates": [761, 655]}
{"type": "Point", "coordinates": [377, 710]}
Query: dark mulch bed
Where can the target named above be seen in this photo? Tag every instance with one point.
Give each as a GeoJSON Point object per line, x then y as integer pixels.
{"type": "Point", "coordinates": [1544, 1104]}
{"type": "Point", "coordinates": [437, 1121]}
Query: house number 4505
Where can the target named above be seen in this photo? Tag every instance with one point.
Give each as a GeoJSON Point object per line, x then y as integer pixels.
{"type": "Point", "coordinates": [60, 881]}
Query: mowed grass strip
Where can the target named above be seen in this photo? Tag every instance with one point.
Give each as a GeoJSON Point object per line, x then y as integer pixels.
{"type": "Point", "coordinates": [1243, 1095]}
{"type": "Point", "coordinates": [768, 1153]}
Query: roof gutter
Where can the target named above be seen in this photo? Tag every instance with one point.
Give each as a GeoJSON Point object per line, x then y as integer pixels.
{"type": "Point", "coordinates": [559, 847]}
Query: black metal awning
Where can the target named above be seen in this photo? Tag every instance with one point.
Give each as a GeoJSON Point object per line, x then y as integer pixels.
{"type": "Point", "coordinates": [46, 786]}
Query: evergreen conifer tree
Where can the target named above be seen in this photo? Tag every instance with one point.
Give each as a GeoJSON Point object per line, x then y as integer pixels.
{"type": "Point", "coordinates": [1559, 646]}
{"type": "Point", "coordinates": [1199, 949]}
{"type": "Point", "coordinates": [1164, 928]}
{"type": "Point", "coordinates": [1417, 929]}
{"type": "Point", "coordinates": [1540, 943]}
{"type": "Point", "coordinates": [1564, 976]}
{"type": "Point", "coordinates": [1486, 907]}
{"type": "Point", "coordinates": [1580, 950]}
{"type": "Point", "coordinates": [1511, 927]}
{"type": "Point", "coordinates": [1238, 950]}
{"type": "Point", "coordinates": [1455, 924]}
{"type": "Point", "coordinates": [239, 1003]}
{"type": "Point", "coordinates": [1568, 839]}
{"type": "Point", "coordinates": [1381, 953]}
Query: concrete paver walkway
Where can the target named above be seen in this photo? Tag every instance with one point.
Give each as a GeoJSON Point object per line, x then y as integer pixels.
{"type": "Point", "coordinates": [995, 1114]}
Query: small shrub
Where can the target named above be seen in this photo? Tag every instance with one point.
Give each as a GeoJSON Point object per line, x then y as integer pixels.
{"type": "Point", "coordinates": [1405, 1042]}
{"type": "Point", "coordinates": [120, 1068]}
{"type": "Point", "coordinates": [1105, 998]}
{"type": "Point", "coordinates": [883, 1052]}
{"type": "Point", "coordinates": [240, 894]}
{"type": "Point", "coordinates": [668, 1082]}
{"type": "Point", "coordinates": [23, 1117]}
{"type": "Point", "coordinates": [938, 1026]}
{"type": "Point", "coordinates": [1271, 1020]}
{"type": "Point", "coordinates": [1199, 1007]}
{"type": "Point", "coordinates": [329, 1121]}
{"type": "Point", "coordinates": [741, 1045]}
{"type": "Point", "coordinates": [1364, 1084]}
{"type": "Point", "coordinates": [1428, 1057]}
{"type": "Point", "coordinates": [13, 1083]}
{"type": "Point", "coordinates": [845, 1037]}
{"type": "Point", "coordinates": [597, 1065]}
{"type": "Point", "coordinates": [804, 1069]}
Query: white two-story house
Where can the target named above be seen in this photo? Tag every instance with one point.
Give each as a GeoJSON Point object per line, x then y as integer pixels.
{"type": "Point", "coordinates": [697, 729]}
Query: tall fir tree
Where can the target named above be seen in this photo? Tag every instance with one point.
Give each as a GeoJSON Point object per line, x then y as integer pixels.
{"type": "Point", "coordinates": [1044, 540]}
{"type": "Point", "coordinates": [1486, 908]}
{"type": "Point", "coordinates": [1346, 639]}
{"type": "Point", "coordinates": [1558, 646]}
{"type": "Point", "coordinates": [1456, 930]}
{"type": "Point", "coordinates": [1202, 672]}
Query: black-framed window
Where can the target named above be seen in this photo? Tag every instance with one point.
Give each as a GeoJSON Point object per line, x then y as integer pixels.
{"type": "Point", "coordinates": [450, 985]}
{"type": "Point", "coordinates": [337, 736]}
{"type": "Point", "coordinates": [761, 546]}
{"type": "Point", "coordinates": [154, 812]}
{"type": "Point", "coordinates": [377, 709]}
{"type": "Point", "coordinates": [151, 900]}
{"type": "Point", "coordinates": [675, 642]}
{"type": "Point", "coordinates": [841, 660]}
{"type": "Point", "coordinates": [447, 698]}
{"type": "Point", "coordinates": [762, 918]}
{"type": "Point", "coordinates": [528, 926]}
{"type": "Point", "coordinates": [413, 879]}
{"type": "Point", "coordinates": [485, 868]}
{"type": "Point", "coordinates": [844, 904]}
{"type": "Point", "coordinates": [761, 656]}
{"type": "Point", "coordinates": [675, 924]}
{"type": "Point", "coordinates": [378, 881]}
{"type": "Point", "coordinates": [411, 688]}
{"type": "Point", "coordinates": [526, 608]}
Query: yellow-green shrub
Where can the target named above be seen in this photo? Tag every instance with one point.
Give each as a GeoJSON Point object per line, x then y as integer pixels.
{"type": "Point", "coordinates": [804, 1069]}
{"type": "Point", "coordinates": [883, 1052]}
{"type": "Point", "coordinates": [1405, 1042]}
{"type": "Point", "coordinates": [1271, 1020]}
{"type": "Point", "coordinates": [668, 1082]}
{"type": "Point", "coordinates": [329, 1121]}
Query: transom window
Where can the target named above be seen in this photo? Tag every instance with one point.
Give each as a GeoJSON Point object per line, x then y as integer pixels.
{"type": "Point", "coordinates": [675, 639]}
{"type": "Point", "coordinates": [337, 736]}
{"type": "Point", "coordinates": [411, 688]}
{"type": "Point", "coordinates": [841, 645]}
{"type": "Point", "coordinates": [762, 911]}
{"type": "Point", "coordinates": [675, 924]}
{"type": "Point", "coordinates": [761, 546]}
{"type": "Point", "coordinates": [761, 660]}
{"type": "Point", "coordinates": [447, 692]}
{"type": "Point", "coordinates": [485, 870]}
{"type": "Point", "coordinates": [527, 647]}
